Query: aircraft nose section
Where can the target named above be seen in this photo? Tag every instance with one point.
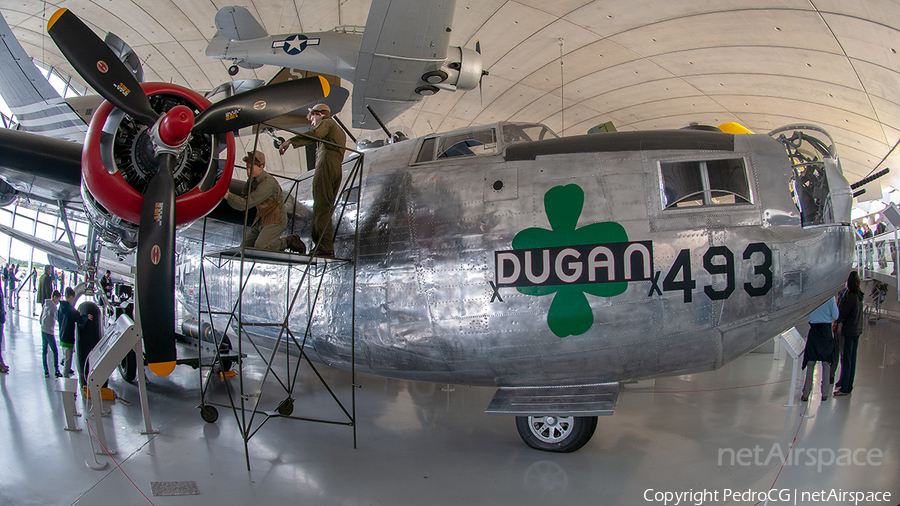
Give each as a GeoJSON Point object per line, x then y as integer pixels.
{"type": "Point", "coordinates": [819, 187]}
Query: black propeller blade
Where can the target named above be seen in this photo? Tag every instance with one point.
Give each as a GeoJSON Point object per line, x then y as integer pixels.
{"type": "Point", "coordinates": [99, 66]}
{"type": "Point", "coordinates": [260, 104]}
{"type": "Point", "coordinates": [156, 269]}
{"type": "Point", "coordinates": [483, 72]}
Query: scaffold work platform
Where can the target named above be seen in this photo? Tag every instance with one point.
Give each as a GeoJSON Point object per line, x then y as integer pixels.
{"type": "Point", "coordinates": [270, 257]}
{"type": "Point", "coordinates": [301, 274]}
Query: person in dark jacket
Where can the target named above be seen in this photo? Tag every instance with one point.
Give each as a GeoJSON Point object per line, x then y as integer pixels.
{"type": "Point", "coordinates": [45, 286]}
{"type": "Point", "coordinates": [819, 347]}
{"type": "Point", "coordinates": [850, 324]}
{"type": "Point", "coordinates": [3, 367]}
{"type": "Point", "coordinates": [107, 286]}
{"type": "Point", "coordinates": [13, 272]}
{"type": "Point", "coordinates": [68, 317]}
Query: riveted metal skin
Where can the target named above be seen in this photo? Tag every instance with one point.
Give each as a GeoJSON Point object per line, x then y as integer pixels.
{"type": "Point", "coordinates": [432, 303]}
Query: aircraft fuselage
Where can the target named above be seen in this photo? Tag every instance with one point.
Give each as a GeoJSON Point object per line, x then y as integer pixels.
{"type": "Point", "coordinates": [560, 262]}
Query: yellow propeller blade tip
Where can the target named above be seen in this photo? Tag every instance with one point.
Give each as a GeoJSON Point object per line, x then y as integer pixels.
{"type": "Point", "coordinates": [162, 368]}
{"type": "Point", "coordinates": [326, 88]}
{"type": "Point", "coordinates": [734, 128]}
{"type": "Point", "coordinates": [54, 17]}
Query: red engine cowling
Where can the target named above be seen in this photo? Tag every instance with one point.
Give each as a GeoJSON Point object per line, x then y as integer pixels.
{"type": "Point", "coordinates": [118, 159]}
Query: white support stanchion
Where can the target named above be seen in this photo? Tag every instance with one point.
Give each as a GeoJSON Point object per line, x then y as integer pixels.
{"type": "Point", "coordinates": [121, 337]}
{"type": "Point", "coordinates": [794, 345]}
{"type": "Point", "coordinates": [142, 385]}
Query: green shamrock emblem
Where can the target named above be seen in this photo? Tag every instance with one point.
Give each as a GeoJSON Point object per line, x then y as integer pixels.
{"type": "Point", "coordinates": [570, 313]}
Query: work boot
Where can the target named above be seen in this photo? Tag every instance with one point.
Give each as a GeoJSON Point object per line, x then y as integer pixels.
{"type": "Point", "coordinates": [294, 244]}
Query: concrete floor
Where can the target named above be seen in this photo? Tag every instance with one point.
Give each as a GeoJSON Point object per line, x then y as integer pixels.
{"type": "Point", "coordinates": [418, 444]}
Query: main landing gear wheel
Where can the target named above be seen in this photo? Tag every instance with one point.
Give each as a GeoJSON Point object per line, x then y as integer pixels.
{"type": "Point", "coordinates": [209, 413]}
{"type": "Point", "coordinates": [233, 70]}
{"type": "Point", "coordinates": [561, 434]}
{"type": "Point", "coordinates": [128, 367]}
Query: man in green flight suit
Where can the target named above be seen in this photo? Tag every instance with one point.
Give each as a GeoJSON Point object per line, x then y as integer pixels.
{"type": "Point", "coordinates": [271, 217]}
{"type": "Point", "coordinates": [327, 178]}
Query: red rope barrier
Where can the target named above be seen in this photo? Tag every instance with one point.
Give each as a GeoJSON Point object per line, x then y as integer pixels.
{"type": "Point", "coordinates": [114, 460]}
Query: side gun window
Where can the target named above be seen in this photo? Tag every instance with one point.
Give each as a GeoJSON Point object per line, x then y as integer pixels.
{"type": "Point", "coordinates": [704, 183]}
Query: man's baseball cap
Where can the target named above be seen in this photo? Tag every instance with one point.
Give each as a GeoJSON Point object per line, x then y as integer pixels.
{"type": "Point", "coordinates": [260, 157]}
{"type": "Point", "coordinates": [320, 107]}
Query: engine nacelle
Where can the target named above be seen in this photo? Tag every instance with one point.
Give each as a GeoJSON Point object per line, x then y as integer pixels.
{"type": "Point", "coordinates": [8, 194]}
{"type": "Point", "coordinates": [118, 162]}
{"type": "Point", "coordinates": [121, 235]}
{"type": "Point", "coordinates": [462, 70]}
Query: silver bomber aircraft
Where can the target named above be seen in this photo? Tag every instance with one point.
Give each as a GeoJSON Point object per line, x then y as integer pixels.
{"type": "Point", "coordinates": [557, 268]}
{"type": "Point", "coordinates": [551, 268]}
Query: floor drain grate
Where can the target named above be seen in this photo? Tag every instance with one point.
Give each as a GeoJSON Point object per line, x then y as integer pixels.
{"type": "Point", "coordinates": [161, 488]}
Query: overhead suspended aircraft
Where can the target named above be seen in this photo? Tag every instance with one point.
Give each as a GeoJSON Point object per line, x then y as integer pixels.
{"type": "Point", "coordinates": [553, 269]}
{"type": "Point", "coordinates": [402, 55]}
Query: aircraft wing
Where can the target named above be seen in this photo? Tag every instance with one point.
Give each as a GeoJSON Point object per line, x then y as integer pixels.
{"type": "Point", "coordinates": [35, 103]}
{"type": "Point", "coordinates": [403, 40]}
{"type": "Point", "coordinates": [58, 176]}
{"type": "Point", "coordinates": [62, 250]}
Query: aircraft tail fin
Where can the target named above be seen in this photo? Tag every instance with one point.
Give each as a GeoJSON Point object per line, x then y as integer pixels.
{"type": "Point", "coordinates": [236, 23]}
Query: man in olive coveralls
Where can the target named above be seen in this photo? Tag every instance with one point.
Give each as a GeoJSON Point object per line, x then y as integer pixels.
{"type": "Point", "coordinates": [271, 217]}
{"type": "Point", "coordinates": [327, 178]}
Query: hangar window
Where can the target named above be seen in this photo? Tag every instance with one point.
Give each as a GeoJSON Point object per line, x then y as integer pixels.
{"type": "Point", "coordinates": [704, 183]}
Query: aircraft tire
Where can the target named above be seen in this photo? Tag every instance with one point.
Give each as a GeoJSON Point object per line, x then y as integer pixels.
{"type": "Point", "coordinates": [559, 434]}
{"type": "Point", "coordinates": [209, 413]}
{"type": "Point", "coordinates": [128, 367]}
{"type": "Point", "coordinates": [233, 70]}
{"type": "Point", "coordinates": [427, 90]}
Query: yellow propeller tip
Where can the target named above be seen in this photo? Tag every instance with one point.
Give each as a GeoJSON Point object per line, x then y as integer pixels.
{"type": "Point", "coordinates": [326, 88]}
{"type": "Point", "coordinates": [732, 127]}
{"type": "Point", "coordinates": [162, 368]}
{"type": "Point", "coordinates": [54, 17]}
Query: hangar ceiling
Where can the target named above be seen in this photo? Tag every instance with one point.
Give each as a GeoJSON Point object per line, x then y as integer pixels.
{"type": "Point", "coordinates": [573, 64]}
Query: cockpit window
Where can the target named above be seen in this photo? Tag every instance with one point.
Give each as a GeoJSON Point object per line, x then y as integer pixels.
{"type": "Point", "coordinates": [426, 152]}
{"type": "Point", "coordinates": [514, 133]}
{"type": "Point", "coordinates": [704, 183]}
{"type": "Point", "coordinates": [474, 143]}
